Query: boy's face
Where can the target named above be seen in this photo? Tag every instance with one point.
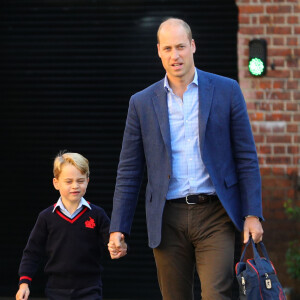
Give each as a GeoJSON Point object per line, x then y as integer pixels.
{"type": "Point", "coordinates": [71, 184]}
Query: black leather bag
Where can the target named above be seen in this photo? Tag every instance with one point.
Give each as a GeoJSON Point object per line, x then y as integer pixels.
{"type": "Point", "coordinates": [257, 276]}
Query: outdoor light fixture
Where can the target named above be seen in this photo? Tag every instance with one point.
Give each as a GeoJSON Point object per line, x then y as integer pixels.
{"type": "Point", "coordinates": [257, 57]}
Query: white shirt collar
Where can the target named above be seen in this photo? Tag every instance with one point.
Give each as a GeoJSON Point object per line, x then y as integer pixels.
{"type": "Point", "coordinates": [168, 88]}
{"type": "Point", "coordinates": [82, 202]}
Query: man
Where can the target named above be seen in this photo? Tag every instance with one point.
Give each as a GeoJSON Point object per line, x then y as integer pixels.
{"type": "Point", "coordinates": [192, 131]}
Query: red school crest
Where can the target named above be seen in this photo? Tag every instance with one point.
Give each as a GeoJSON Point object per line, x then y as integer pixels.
{"type": "Point", "coordinates": [90, 223]}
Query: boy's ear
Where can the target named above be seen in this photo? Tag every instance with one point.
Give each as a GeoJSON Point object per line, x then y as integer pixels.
{"type": "Point", "coordinates": [55, 183]}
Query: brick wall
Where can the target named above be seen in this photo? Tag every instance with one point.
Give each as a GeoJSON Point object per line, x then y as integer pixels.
{"type": "Point", "coordinates": [274, 108]}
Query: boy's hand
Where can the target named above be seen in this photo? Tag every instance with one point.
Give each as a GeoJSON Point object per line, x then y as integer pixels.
{"type": "Point", "coordinates": [23, 292]}
{"type": "Point", "coordinates": [117, 246]}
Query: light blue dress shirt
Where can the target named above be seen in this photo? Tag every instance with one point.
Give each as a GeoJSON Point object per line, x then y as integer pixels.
{"type": "Point", "coordinates": [189, 175]}
{"type": "Point", "coordinates": [80, 207]}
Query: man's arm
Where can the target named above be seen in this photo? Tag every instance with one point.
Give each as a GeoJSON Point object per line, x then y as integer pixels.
{"type": "Point", "coordinates": [129, 175]}
{"type": "Point", "coordinates": [247, 167]}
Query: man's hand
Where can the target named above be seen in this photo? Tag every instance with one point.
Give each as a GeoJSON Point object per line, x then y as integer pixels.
{"type": "Point", "coordinates": [253, 227]}
{"type": "Point", "coordinates": [23, 292]}
{"type": "Point", "coordinates": [117, 246]}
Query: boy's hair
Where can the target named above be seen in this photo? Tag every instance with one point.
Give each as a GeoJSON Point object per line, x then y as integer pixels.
{"type": "Point", "coordinates": [75, 159]}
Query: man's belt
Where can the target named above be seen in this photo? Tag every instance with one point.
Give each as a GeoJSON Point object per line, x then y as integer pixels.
{"type": "Point", "coordinates": [195, 199]}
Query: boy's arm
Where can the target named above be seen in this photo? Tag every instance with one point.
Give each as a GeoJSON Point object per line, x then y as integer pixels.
{"type": "Point", "coordinates": [33, 252]}
{"type": "Point", "coordinates": [23, 292]}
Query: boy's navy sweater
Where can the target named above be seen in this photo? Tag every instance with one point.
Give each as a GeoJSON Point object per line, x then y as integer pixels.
{"type": "Point", "coordinates": [73, 248]}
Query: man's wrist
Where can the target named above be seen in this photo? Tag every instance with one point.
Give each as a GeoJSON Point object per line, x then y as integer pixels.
{"type": "Point", "coordinates": [249, 216]}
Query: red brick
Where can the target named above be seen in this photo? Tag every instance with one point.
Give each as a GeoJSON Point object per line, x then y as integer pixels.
{"type": "Point", "coordinates": [292, 106]}
{"type": "Point", "coordinates": [278, 84]}
{"type": "Point", "coordinates": [257, 116]}
{"type": "Point", "coordinates": [251, 30]}
{"type": "Point", "coordinates": [279, 30]}
{"type": "Point", "coordinates": [297, 30]}
{"type": "Point", "coordinates": [278, 62]}
{"type": "Point", "coordinates": [297, 51]}
{"type": "Point", "coordinates": [293, 85]}
{"type": "Point", "coordinates": [278, 106]}
{"type": "Point", "coordinates": [297, 139]}
{"type": "Point", "coordinates": [296, 95]}
{"type": "Point", "coordinates": [292, 41]}
{"type": "Point", "coordinates": [278, 41]}
{"type": "Point", "coordinates": [244, 19]}
{"type": "Point", "coordinates": [279, 52]}
{"type": "Point", "coordinates": [297, 118]}
{"type": "Point", "coordinates": [296, 160]}
{"type": "Point", "coordinates": [296, 73]}
{"type": "Point", "coordinates": [292, 128]}
{"type": "Point", "coordinates": [265, 171]}
{"type": "Point", "coordinates": [265, 19]}
{"type": "Point", "coordinates": [279, 160]}
{"type": "Point", "coordinates": [251, 9]}
{"type": "Point", "coordinates": [259, 95]}
{"type": "Point", "coordinates": [278, 171]}
{"type": "Point", "coordinates": [279, 149]}
{"type": "Point", "coordinates": [278, 20]}
{"type": "Point", "coordinates": [265, 84]}
{"type": "Point", "coordinates": [265, 149]}
{"type": "Point", "coordinates": [292, 171]}
{"type": "Point", "coordinates": [278, 117]}
{"type": "Point", "coordinates": [259, 138]}
{"type": "Point", "coordinates": [264, 106]}
{"type": "Point", "coordinates": [279, 139]}
{"type": "Point", "coordinates": [265, 129]}
{"type": "Point", "coordinates": [293, 149]}
{"type": "Point", "coordinates": [279, 9]}
{"type": "Point", "coordinates": [281, 95]}
{"type": "Point", "coordinates": [261, 160]}
{"type": "Point", "coordinates": [292, 20]}
{"type": "Point", "coordinates": [278, 128]}
{"type": "Point", "coordinates": [292, 62]}
{"type": "Point", "coordinates": [280, 73]}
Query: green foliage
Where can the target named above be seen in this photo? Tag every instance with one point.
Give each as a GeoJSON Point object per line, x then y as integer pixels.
{"type": "Point", "coordinates": [292, 211]}
{"type": "Point", "coordinates": [293, 259]}
{"type": "Point", "coordinates": [293, 253]}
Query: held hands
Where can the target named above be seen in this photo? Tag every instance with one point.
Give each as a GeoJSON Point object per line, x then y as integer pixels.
{"type": "Point", "coordinates": [23, 292]}
{"type": "Point", "coordinates": [117, 246]}
{"type": "Point", "coordinates": [253, 227]}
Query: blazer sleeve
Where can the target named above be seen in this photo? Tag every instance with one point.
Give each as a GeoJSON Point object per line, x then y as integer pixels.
{"type": "Point", "coordinates": [130, 172]}
{"type": "Point", "coordinates": [245, 156]}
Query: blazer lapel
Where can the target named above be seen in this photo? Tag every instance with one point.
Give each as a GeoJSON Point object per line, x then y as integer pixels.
{"type": "Point", "coordinates": [206, 90]}
{"type": "Point", "coordinates": [161, 109]}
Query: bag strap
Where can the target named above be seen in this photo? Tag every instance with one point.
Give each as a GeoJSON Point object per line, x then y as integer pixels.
{"type": "Point", "coordinates": [257, 258]}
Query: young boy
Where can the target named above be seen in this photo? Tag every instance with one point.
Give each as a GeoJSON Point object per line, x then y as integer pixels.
{"type": "Point", "coordinates": [71, 233]}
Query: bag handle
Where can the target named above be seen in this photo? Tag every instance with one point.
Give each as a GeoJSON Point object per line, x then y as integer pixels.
{"type": "Point", "coordinates": [257, 257]}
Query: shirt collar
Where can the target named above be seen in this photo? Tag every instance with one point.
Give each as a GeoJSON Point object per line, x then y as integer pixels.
{"type": "Point", "coordinates": [60, 204]}
{"type": "Point", "coordinates": [168, 88]}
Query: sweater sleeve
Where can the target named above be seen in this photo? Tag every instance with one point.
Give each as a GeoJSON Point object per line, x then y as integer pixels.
{"type": "Point", "coordinates": [33, 251]}
{"type": "Point", "coordinates": [104, 227]}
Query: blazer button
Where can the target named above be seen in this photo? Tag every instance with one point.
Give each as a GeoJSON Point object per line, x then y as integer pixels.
{"type": "Point", "coordinates": [169, 176]}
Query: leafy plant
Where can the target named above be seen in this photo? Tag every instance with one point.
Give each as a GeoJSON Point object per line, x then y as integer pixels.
{"type": "Point", "coordinates": [293, 253]}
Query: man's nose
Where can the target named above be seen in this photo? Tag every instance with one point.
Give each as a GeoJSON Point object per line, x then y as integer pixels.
{"type": "Point", "coordinates": [174, 54]}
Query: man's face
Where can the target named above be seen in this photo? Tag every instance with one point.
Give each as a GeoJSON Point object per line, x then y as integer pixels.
{"type": "Point", "coordinates": [176, 52]}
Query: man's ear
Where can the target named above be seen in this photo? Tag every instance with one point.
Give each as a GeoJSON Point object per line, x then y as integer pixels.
{"type": "Point", "coordinates": [158, 50]}
{"type": "Point", "coordinates": [55, 183]}
{"type": "Point", "coordinates": [193, 45]}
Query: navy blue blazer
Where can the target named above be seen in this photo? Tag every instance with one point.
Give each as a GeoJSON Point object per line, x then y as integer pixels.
{"type": "Point", "coordinates": [226, 144]}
